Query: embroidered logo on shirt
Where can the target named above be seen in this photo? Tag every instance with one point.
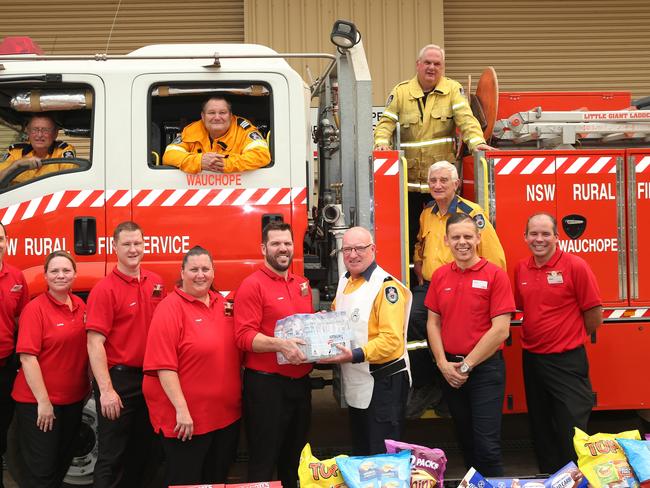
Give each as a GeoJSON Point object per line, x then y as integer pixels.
{"type": "Point", "coordinates": [480, 221]}
{"type": "Point", "coordinates": [480, 284]}
{"type": "Point", "coordinates": [198, 321]}
{"type": "Point", "coordinates": [132, 304]}
{"type": "Point", "coordinates": [304, 289]}
{"type": "Point", "coordinates": [554, 277]}
{"type": "Point", "coordinates": [354, 317]}
{"type": "Point", "coordinates": [16, 288]}
{"type": "Point", "coordinates": [391, 294]}
{"type": "Point", "coordinates": [280, 298]}
{"type": "Point", "coordinates": [228, 308]}
{"type": "Point", "coordinates": [157, 290]}
{"type": "Point", "coordinates": [60, 324]}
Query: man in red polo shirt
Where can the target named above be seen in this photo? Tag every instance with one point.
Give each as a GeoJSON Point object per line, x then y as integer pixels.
{"type": "Point", "coordinates": [470, 303]}
{"type": "Point", "coordinates": [559, 295]}
{"type": "Point", "coordinates": [118, 316]}
{"type": "Point", "coordinates": [13, 298]}
{"type": "Point", "coordinates": [276, 397]}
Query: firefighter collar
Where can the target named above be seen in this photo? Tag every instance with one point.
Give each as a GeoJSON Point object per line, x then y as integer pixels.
{"type": "Point", "coordinates": [443, 87]}
{"type": "Point", "coordinates": [548, 264]}
{"type": "Point", "coordinates": [213, 296]}
{"type": "Point", "coordinates": [452, 209]}
{"type": "Point", "coordinates": [367, 273]}
{"type": "Point", "coordinates": [481, 263]}
{"type": "Point", "coordinates": [27, 148]}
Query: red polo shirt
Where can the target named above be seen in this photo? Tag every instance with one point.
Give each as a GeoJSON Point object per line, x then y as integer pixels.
{"type": "Point", "coordinates": [55, 334]}
{"type": "Point", "coordinates": [261, 300]}
{"type": "Point", "coordinates": [120, 308]}
{"type": "Point", "coordinates": [198, 342]}
{"type": "Point", "coordinates": [467, 301]}
{"type": "Point", "coordinates": [13, 298]}
{"type": "Point", "coordinates": [553, 298]}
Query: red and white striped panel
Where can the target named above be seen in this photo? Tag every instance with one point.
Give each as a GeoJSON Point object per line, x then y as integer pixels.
{"type": "Point", "coordinates": [548, 165]}
{"type": "Point", "coordinates": [152, 198]}
{"type": "Point", "coordinates": [643, 165]}
{"type": "Point", "coordinates": [386, 167]}
{"type": "Point", "coordinates": [629, 313]}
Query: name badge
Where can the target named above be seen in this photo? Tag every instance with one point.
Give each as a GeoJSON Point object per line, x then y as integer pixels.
{"type": "Point", "coordinates": [157, 290]}
{"type": "Point", "coordinates": [304, 288]}
{"type": "Point", "coordinates": [480, 284]}
{"type": "Point", "coordinates": [554, 277]}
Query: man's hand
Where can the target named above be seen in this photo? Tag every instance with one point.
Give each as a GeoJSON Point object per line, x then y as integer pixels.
{"type": "Point", "coordinates": [452, 375]}
{"type": "Point", "coordinates": [214, 162]}
{"type": "Point", "coordinates": [485, 147]}
{"type": "Point", "coordinates": [291, 352]}
{"type": "Point", "coordinates": [45, 416]}
{"type": "Point", "coordinates": [29, 163]}
{"type": "Point", "coordinates": [184, 425]}
{"type": "Point", "coordinates": [344, 356]}
{"type": "Point", "coordinates": [111, 404]}
{"type": "Point", "coordinates": [417, 269]}
{"type": "Point", "coordinates": [383, 148]}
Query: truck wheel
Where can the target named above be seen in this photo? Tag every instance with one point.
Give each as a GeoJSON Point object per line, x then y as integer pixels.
{"type": "Point", "coordinates": [85, 451]}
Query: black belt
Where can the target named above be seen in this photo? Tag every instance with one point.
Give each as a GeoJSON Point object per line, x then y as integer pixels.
{"type": "Point", "coordinates": [380, 371]}
{"type": "Point", "coordinates": [126, 369]}
{"type": "Point", "coordinates": [277, 375]}
{"type": "Point", "coordinates": [454, 358]}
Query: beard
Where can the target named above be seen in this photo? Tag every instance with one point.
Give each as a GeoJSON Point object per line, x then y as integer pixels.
{"type": "Point", "coordinates": [272, 261]}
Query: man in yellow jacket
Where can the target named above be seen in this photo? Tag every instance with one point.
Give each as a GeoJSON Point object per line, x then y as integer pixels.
{"type": "Point", "coordinates": [429, 107]}
{"type": "Point", "coordinates": [220, 142]}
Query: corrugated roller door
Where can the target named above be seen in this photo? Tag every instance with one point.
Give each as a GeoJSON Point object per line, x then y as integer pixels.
{"type": "Point", "coordinates": [551, 45]}
{"type": "Point", "coordinates": [84, 26]}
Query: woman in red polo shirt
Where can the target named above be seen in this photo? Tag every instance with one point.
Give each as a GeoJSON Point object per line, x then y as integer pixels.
{"type": "Point", "coordinates": [52, 384]}
{"type": "Point", "coordinates": [192, 377]}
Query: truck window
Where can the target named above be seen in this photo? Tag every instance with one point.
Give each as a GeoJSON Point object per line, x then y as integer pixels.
{"type": "Point", "coordinates": [177, 107]}
{"type": "Point", "coordinates": [45, 132]}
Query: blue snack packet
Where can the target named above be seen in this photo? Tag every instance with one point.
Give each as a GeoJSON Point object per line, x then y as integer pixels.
{"type": "Point", "coordinates": [638, 454]}
{"type": "Point", "coordinates": [568, 476]}
{"type": "Point", "coordinates": [379, 471]}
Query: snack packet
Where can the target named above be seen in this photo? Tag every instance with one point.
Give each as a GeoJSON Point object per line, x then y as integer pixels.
{"type": "Point", "coordinates": [568, 476]}
{"type": "Point", "coordinates": [474, 479]}
{"type": "Point", "coordinates": [427, 464]}
{"type": "Point", "coordinates": [638, 455]}
{"type": "Point", "coordinates": [379, 471]}
{"type": "Point", "coordinates": [602, 460]}
{"type": "Point", "coordinates": [318, 474]}
{"type": "Point", "coordinates": [517, 482]}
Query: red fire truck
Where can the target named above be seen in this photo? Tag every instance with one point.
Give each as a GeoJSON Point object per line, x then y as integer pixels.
{"type": "Point", "coordinates": [120, 112]}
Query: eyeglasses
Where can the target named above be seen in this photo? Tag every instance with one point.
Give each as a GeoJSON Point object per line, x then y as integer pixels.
{"type": "Point", "coordinates": [40, 130]}
{"type": "Point", "coordinates": [358, 249]}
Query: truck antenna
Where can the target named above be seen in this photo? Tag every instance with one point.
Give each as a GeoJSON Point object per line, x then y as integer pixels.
{"type": "Point", "coordinates": [110, 34]}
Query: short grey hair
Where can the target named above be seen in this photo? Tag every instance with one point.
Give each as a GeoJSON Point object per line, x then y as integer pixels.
{"type": "Point", "coordinates": [430, 46]}
{"type": "Point", "coordinates": [444, 165]}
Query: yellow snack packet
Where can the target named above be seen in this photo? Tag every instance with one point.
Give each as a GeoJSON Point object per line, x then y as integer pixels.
{"type": "Point", "coordinates": [602, 460]}
{"type": "Point", "coordinates": [314, 473]}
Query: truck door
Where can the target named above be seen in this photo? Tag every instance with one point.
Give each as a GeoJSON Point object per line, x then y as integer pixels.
{"type": "Point", "coordinates": [222, 212]}
{"type": "Point", "coordinates": [638, 210]}
{"type": "Point", "coordinates": [62, 208]}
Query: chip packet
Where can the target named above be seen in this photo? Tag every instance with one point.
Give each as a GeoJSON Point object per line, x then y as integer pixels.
{"type": "Point", "coordinates": [602, 460]}
{"type": "Point", "coordinates": [638, 455]}
{"type": "Point", "coordinates": [314, 473]}
{"type": "Point", "coordinates": [474, 479]}
{"type": "Point", "coordinates": [427, 464]}
{"type": "Point", "coordinates": [378, 471]}
{"type": "Point", "coordinates": [517, 482]}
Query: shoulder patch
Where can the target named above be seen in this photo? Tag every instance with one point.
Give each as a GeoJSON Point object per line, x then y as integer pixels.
{"type": "Point", "coordinates": [4, 156]}
{"type": "Point", "coordinates": [69, 154]}
{"type": "Point", "coordinates": [464, 207]}
{"type": "Point", "coordinates": [390, 99]}
{"type": "Point", "coordinates": [388, 278]}
{"type": "Point", "coordinates": [461, 90]}
{"type": "Point", "coordinates": [177, 140]}
{"type": "Point", "coordinates": [391, 294]}
{"type": "Point", "coordinates": [480, 221]}
{"type": "Point", "coordinates": [256, 136]}
{"type": "Point", "coordinates": [243, 123]}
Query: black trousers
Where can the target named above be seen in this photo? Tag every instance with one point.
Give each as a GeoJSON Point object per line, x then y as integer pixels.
{"type": "Point", "coordinates": [384, 417]}
{"type": "Point", "coordinates": [47, 454]}
{"type": "Point", "coordinates": [476, 409]}
{"type": "Point", "coordinates": [203, 459]}
{"type": "Point", "coordinates": [423, 367]}
{"type": "Point", "coordinates": [125, 443]}
{"type": "Point", "coordinates": [559, 398]}
{"type": "Point", "coordinates": [277, 414]}
{"type": "Point", "coordinates": [7, 376]}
